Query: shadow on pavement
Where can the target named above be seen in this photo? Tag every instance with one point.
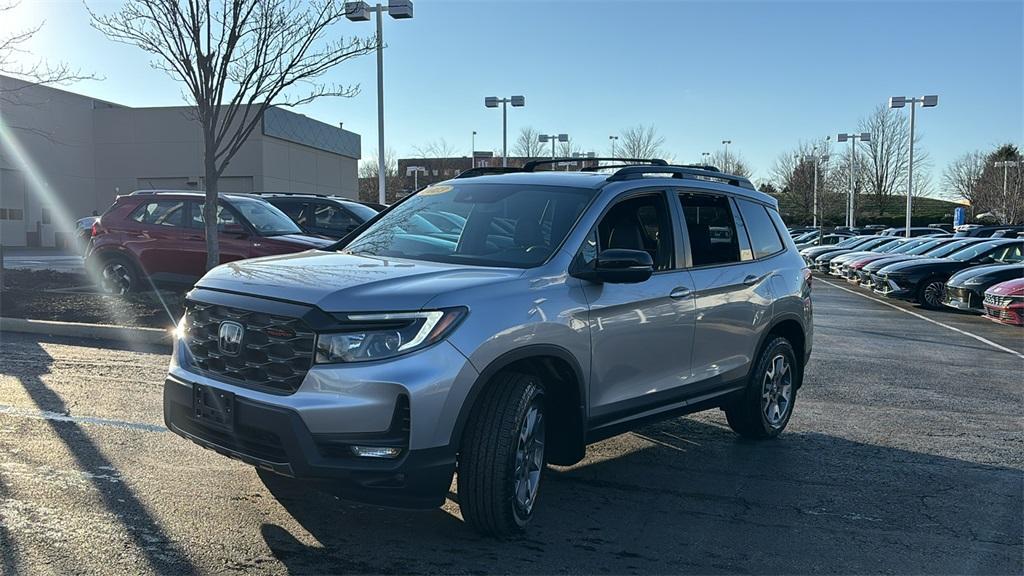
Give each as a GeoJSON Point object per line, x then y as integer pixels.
{"type": "Point", "coordinates": [160, 553]}
{"type": "Point", "coordinates": [692, 497]}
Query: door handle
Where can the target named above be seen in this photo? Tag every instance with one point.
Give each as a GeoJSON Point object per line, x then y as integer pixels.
{"type": "Point", "coordinates": [751, 280]}
{"type": "Point", "coordinates": [679, 292]}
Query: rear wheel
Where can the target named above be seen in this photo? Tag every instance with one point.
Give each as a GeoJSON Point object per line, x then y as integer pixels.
{"type": "Point", "coordinates": [764, 409]}
{"type": "Point", "coordinates": [503, 455]}
{"type": "Point", "coordinates": [931, 292]}
{"type": "Point", "coordinates": [118, 276]}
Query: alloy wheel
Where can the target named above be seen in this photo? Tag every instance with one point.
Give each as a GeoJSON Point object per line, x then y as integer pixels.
{"type": "Point", "coordinates": [934, 292]}
{"type": "Point", "coordinates": [529, 459]}
{"type": "Point", "coordinates": [117, 279]}
{"type": "Point", "coordinates": [777, 391]}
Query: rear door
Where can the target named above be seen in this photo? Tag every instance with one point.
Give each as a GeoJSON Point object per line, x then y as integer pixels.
{"type": "Point", "coordinates": [732, 290]}
{"type": "Point", "coordinates": [235, 238]}
{"type": "Point", "coordinates": [330, 219]}
{"type": "Point", "coordinates": [154, 232]}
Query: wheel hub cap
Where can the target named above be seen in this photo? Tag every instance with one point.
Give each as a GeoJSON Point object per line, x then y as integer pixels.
{"type": "Point", "coordinates": [777, 391]}
{"type": "Point", "coordinates": [529, 459]}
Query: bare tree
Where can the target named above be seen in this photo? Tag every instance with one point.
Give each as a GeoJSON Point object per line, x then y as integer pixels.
{"type": "Point", "coordinates": [528, 144]}
{"type": "Point", "coordinates": [1003, 201]}
{"type": "Point", "coordinates": [888, 157]}
{"type": "Point", "coordinates": [13, 47]}
{"type": "Point", "coordinates": [731, 163]}
{"type": "Point", "coordinates": [793, 178]}
{"type": "Point", "coordinates": [963, 177]}
{"type": "Point", "coordinates": [368, 170]}
{"type": "Point", "coordinates": [640, 142]}
{"type": "Point", "coordinates": [236, 58]}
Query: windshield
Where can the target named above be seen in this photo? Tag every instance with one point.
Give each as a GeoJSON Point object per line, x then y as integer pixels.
{"type": "Point", "coordinates": [906, 247]}
{"type": "Point", "coordinates": [951, 248]}
{"type": "Point", "coordinates": [852, 242]}
{"type": "Point", "coordinates": [977, 250]}
{"type": "Point", "coordinates": [480, 224]}
{"type": "Point", "coordinates": [363, 211]}
{"type": "Point", "coordinates": [928, 245]}
{"type": "Point", "coordinates": [893, 247]}
{"type": "Point", "coordinates": [265, 218]}
{"type": "Point", "coordinates": [873, 242]}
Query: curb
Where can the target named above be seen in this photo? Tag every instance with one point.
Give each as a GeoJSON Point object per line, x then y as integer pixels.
{"type": "Point", "coordinates": [84, 330]}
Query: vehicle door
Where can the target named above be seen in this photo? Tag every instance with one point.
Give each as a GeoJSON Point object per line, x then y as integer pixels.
{"type": "Point", "coordinates": [294, 208]}
{"type": "Point", "coordinates": [234, 238]}
{"type": "Point", "coordinates": [732, 289]}
{"type": "Point", "coordinates": [154, 233]}
{"type": "Point", "coordinates": [642, 333]}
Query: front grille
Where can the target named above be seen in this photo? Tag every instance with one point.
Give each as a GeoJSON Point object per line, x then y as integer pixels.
{"type": "Point", "coordinates": [275, 353]}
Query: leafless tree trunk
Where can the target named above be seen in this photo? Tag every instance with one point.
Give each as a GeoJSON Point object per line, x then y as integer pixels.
{"type": "Point", "coordinates": [236, 58]}
{"type": "Point", "coordinates": [528, 144]}
{"type": "Point", "coordinates": [733, 163]}
{"type": "Point", "coordinates": [888, 157]}
{"type": "Point", "coordinates": [640, 142]}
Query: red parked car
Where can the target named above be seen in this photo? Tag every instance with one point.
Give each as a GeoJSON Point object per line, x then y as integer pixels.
{"type": "Point", "coordinates": [160, 235]}
{"type": "Point", "coordinates": [1004, 302]}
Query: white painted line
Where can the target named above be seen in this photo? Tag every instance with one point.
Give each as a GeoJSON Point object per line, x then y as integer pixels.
{"type": "Point", "coordinates": [926, 319]}
{"type": "Point", "coordinates": [58, 417]}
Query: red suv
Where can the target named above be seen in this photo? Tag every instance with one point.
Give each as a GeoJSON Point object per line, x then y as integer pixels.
{"type": "Point", "coordinates": [161, 235]}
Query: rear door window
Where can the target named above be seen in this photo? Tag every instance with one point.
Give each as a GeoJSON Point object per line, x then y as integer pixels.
{"type": "Point", "coordinates": [334, 218]}
{"type": "Point", "coordinates": [713, 231]}
{"type": "Point", "coordinates": [160, 213]}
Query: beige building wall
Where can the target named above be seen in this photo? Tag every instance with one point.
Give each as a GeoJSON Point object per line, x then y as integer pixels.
{"type": "Point", "coordinates": [67, 154]}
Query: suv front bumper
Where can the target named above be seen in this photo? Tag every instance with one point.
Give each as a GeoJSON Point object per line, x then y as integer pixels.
{"type": "Point", "coordinates": [276, 438]}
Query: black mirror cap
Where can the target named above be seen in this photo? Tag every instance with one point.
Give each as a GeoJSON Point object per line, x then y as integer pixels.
{"type": "Point", "coordinates": [620, 266]}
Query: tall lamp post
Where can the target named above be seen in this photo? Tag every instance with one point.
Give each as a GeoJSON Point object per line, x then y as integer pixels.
{"type": "Point", "coordinates": [704, 157]}
{"type": "Point", "coordinates": [900, 102]}
{"type": "Point", "coordinates": [852, 138]}
{"type": "Point", "coordinates": [492, 102]}
{"type": "Point", "coordinates": [1005, 164]}
{"type": "Point", "coordinates": [415, 171]}
{"type": "Point", "coordinates": [553, 138]}
{"type": "Point", "coordinates": [614, 140]}
{"type": "Point", "coordinates": [472, 152]}
{"type": "Point", "coordinates": [361, 12]}
{"type": "Point", "coordinates": [726, 144]}
{"type": "Point", "coordinates": [816, 158]}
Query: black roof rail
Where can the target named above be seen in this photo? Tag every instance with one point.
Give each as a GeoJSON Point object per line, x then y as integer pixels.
{"type": "Point", "coordinates": [532, 164]}
{"type": "Point", "coordinates": [693, 172]}
{"type": "Point", "coordinates": [487, 170]}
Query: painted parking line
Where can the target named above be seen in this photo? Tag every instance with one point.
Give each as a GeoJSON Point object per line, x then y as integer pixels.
{"type": "Point", "coordinates": [926, 319]}
{"type": "Point", "coordinates": [58, 417]}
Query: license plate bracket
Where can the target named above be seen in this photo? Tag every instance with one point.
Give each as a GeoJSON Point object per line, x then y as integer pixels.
{"type": "Point", "coordinates": [213, 407]}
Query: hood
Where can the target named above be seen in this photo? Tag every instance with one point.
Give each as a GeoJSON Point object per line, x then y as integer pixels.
{"type": "Point", "coordinates": [336, 282]}
{"type": "Point", "coordinates": [304, 240]}
{"type": "Point", "coordinates": [890, 259]}
{"type": "Point", "coordinates": [931, 263]}
{"type": "Point", "coordinates": [988, 273]}
{"type": "Point", "coordinates": [1008, 288]}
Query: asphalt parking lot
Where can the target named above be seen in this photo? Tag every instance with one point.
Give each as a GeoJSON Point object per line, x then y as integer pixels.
{"type": "Point", "coordinates": [905, 455]}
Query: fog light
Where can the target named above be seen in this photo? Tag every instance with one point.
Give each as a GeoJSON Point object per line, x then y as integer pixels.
{"type": "Point", "coordinates": [376, 451]}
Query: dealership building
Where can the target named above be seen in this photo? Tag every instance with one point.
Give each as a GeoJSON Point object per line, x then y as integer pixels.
{"type": "Point", "coordinates": [67, 154]}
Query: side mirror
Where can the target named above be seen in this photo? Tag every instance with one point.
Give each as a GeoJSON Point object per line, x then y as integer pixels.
{"type": "Point", "coordinates": [620, 266]}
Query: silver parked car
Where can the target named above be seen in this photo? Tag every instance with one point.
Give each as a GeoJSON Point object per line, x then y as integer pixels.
{"type": "Point", "coordinates": [568, 307]}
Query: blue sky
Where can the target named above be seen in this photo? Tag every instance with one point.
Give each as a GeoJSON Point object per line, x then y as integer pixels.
{"type": "Point", "coordinates": [766, 75]}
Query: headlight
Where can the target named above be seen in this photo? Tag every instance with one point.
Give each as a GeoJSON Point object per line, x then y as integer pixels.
{"type": "Point", "coordinates": [379, 336]}
{"type": "Point", "coordinates": [974, 281]}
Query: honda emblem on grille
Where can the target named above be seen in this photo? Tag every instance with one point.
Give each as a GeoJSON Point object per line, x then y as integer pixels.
{"type": "Point", "coordinates": [229, 338]}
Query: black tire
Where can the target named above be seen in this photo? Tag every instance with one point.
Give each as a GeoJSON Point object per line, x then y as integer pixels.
{"type": "Point", "coordinates": [747, 414]}
{"type": "Point", "coordinates": [931, 292]}
{"type": "Point", "coordinates": [119, 276]}
{"type": "Point", "coordinates": [487, 473]}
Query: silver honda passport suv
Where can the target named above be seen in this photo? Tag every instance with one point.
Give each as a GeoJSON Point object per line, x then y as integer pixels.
{"type": "Point", "coordinates": [492, 324]}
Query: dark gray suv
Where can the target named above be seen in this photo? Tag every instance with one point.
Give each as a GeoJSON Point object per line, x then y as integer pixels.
{"type": "Point", "coordinates": [560, 309]}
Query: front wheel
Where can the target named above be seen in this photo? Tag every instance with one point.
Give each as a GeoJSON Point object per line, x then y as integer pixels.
{"type": "Point", "coordinates": [764, 409]}
{"type": "Point", "coordinates": [502, 455]}
{"type": "Point", "coordinates": [931, 293]}
{"type": "Point", "coordinates": [118, 276]}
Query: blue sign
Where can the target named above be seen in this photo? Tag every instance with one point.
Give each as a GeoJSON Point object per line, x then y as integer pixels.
{"type": "Point", "coordinates": [959, 216]}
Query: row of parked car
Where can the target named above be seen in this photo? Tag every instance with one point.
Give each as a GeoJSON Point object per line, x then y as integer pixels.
{"type": "Point", "coordinates": [965, 271]}
{"type": "Point", "coordinates": [159, 237]}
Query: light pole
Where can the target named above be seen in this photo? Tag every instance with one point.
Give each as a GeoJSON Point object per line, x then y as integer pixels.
{"type": "Point", "coordinates": [360, 12]}
{"type": "Point", "coordinates": [553, 138]}
{"type": "Point", "coordinates": [492, 102]}
{"type": "Point", "coordinates": [614, 139]}
{"type": "Point", "coordinates": [726, 143]}
{"type": "Point", "coordinates": [863, 137]}
{"type": "Point", "coordinates": [472, 152]}
{"type": "Point", "coordinates": [1004, 164]}
{"type": "Point", "coordinates": [816, 158]}
{"type": "Point", "coordinates": [582, 157]}
{"type": "Point", "coordinates": [900, 102]}
{"type": "Point", "coordinates": [415, 171]}
{"type": "Point", "coordinates": [704, 157]}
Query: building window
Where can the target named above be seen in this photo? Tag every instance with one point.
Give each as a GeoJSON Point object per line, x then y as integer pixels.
{"type": "Point", "coordinates": [15, 214]}
{"type": "Point", "coordinates": [3, 213]}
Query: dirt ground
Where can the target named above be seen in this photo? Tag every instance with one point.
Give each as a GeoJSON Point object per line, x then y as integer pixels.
{"type": "Point", "coordinates": [48, 295]}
